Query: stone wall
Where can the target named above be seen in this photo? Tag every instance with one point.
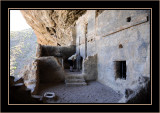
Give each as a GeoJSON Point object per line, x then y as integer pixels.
{"type": "Point", "coordinates": [89, 68]}
{"type": "Point", "coordinates": [59, 52]}
{"type": "Point", "coordinates": [50, 70]}
{"type": "Point", "coordinates": [42, 70]}
{"type": "Point", "coordinates": [39, 51]}
{"type": "Point", "coordinates": [116, 35]}
{"type": "Point", "coordinates": [48, 66]}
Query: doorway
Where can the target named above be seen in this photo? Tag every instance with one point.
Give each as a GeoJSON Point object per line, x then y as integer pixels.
{"type": "Point", "coordinates": [120, 69]}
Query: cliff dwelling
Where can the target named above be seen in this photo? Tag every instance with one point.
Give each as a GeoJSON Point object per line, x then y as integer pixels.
{"type": "Point", "coordinates": [86, 56]}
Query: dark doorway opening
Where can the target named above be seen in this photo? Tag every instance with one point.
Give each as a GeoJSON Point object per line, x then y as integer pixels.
{"type": "Point", "coordinates": [120, 69]}
{"type": "Point", "coordinates": [79, 63]}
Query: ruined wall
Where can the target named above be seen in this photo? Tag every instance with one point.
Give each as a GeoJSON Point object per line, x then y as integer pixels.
{"type": "Point", "coordinates": [116, 35]}
{"type": "Point", "coordinates": [89, 68]}
{"type": "Point", "coordinates": [59, 52]}
{"type": "Point", "coordinates": [42, 70]}
{"type": "Point", "coordinates": [50, 70]}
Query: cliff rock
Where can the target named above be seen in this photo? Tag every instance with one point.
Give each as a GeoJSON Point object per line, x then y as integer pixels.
{"type": "Point", "coordinates": [53, 27]}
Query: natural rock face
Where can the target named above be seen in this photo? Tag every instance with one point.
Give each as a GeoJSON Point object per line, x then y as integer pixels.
{"type": "Point", "coordinates": [140, 94]}
{"type": "Point", "coordinates": [31, 76]}
{"type": "Point", "coordinates": [20, 94]}
{"type": "Point", "coordinates": [52, 27]}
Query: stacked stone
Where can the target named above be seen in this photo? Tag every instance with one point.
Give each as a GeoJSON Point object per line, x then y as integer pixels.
{"type": "Point", "coordinates": [75, 80]}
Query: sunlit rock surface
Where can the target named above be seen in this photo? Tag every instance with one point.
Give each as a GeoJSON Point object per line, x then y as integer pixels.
{"type": "Point", "coordinates": [52, 27]}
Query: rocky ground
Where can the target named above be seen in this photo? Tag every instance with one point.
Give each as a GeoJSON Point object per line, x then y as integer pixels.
{"type": "Point", "coordinates": [94, 92]}
{"type": "Point", "coordinates": [22, 50]}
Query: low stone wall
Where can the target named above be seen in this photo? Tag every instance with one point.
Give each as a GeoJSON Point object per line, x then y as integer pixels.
{"type": "Point", "coordinates": [89, 68]}
{"type": "Point", "coordinates": [58, 52]}
{"type": "Point", "coordinates": [39, 51]}
{"type": "Point", "coordinates": [49, 70]}
{"type": "Point", "coordinates": [42, 70]}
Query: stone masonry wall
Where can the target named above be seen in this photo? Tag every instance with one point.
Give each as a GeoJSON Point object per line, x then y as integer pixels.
{"type": "Point", "coordinates": [90, 63]}
{"type": "Point", "coordinates": [59, 52]}
{"type": "Point", "coordinates": [49, 70]}
{"type": "Point", "coordinates": [116, 35]}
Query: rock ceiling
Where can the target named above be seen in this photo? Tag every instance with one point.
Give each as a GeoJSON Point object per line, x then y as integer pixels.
{"type": "Point", "coordinates": [52, 27]}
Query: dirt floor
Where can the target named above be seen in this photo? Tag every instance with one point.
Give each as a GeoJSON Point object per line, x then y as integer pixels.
{"type": "Point", "coordinates": [94, 92]}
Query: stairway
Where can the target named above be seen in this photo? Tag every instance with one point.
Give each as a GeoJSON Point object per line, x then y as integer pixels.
{"type": "Point", "coordinates": [75, 80]}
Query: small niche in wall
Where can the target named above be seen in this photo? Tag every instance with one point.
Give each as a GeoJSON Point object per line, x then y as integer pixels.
{"type": "Point", "coordinates": [120, 46]}
{"type": "Point", "coordinates": [129, 19]}
{"type": "Point", "coordinates": [120, 69]}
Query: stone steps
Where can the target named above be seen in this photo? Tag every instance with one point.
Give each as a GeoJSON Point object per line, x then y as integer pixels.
{"type": "Point", "coordinates": [76, 84]}
{"type": "Point", "coordinates": [75, 80]}
{"type": "Point", "coordinates": [74, 77]}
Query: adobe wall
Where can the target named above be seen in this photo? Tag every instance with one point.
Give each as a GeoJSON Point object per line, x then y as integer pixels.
{"type": "Point", "coordinates": [42, 70]}
{"type": "Point", "coordinates": [49, 70]}
{"type": "Point", "coordinates": [59, 52]}
{"type": "Point", "coordinates": [89, 68]}
{"type": "Point", "coordinates": [101, 32]}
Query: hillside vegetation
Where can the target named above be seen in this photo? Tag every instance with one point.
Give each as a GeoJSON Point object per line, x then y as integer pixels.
{"type": "Point", "coordinates": [22, 50]}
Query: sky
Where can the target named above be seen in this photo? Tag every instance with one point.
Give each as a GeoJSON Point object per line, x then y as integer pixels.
{"type": "Point", "coordinates": [17, 21]}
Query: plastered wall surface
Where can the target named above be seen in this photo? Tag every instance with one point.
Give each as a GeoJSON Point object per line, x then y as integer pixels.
{"type": "Point", "coordinates": [104, 34]}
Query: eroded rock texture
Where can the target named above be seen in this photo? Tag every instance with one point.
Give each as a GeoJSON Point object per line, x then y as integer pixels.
{"type": "Point", "coordinates": [20, 94]}
{"type": "Point", "coordinates": [52, 27]}
{"type": "Point", "coordinates": [30, 74]}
